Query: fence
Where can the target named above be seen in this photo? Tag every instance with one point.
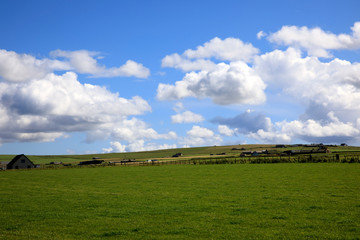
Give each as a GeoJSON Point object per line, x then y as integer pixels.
{"type": "Point", "coordinates": [257, 160]}
{"type": "Point", "coordinates": [311, 158]}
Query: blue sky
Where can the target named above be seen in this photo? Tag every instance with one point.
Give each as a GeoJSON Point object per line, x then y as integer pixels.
{"type": "Point", "coordinates": [112, 76]}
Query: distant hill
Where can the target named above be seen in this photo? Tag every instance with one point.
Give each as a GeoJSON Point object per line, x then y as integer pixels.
{"type": "Point", "coordinates": [187, 153]}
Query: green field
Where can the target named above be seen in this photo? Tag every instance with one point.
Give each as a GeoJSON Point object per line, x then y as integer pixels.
{"type": "Point", "coordinates": [226, 201]}
{"type": "Point", "coordinates": [204, 153]}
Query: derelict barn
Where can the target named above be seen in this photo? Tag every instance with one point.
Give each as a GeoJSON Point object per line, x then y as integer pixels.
{"type": "Point", "coordinates": [20, 162]}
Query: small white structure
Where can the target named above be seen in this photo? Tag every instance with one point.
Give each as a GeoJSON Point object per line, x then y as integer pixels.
{"type": "Point", "coordinates": [151, 160]}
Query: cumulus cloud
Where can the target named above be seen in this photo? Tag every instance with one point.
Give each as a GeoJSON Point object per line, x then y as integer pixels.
{"type": "Point", "coordinates": [260, 35]}
{"type": "Point", "coordinates": [187, 117]}
{"type": "Point", "coordinates": [179, 106]}
{"type": "Point", "coordinates": [133, 134]}
{"type": "Point", "coordinates": [246, 122]}
{"type": "Point", "coordinates": [16, 67]}
{"type": "Point", "coordinates": [182, 63]}
{"type": "Point", "coordinates": [310, 130]}
{"type": "Point", "coordinates": [200, 136]}
{"type": "Point", "coordinates": [331, 85]}
{"type": "Point", "coordinates": [316, 41]}
{"type": "Point", "coordinates": [234, 83]}
{"type": "Point", "coordinates": [329, 91]}
{"type": "Point", "coordinates": [229, 49]}
{"type": "Point", "coordinates": [270, 137]}
{"type": "Point", "coordinates": [45, 109]}
{"type": "Point", "coordinates": [226, 131]}
{"type": "Point", "coordinates": [84, 61]}
{"type": "Point", "coordinates": [115, 147]}
{"type": "Point", "coordinates": [38, 105]}
{"type": "Point", "coordinates": [136, 146]}
{"type": "Point", "coordinates": [134, 129]}
{"type": "Point", "coordinates": [314, 129]}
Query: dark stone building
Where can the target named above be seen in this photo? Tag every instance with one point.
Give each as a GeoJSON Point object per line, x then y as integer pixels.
{"type": "Point", "coordinates": [20, 162]}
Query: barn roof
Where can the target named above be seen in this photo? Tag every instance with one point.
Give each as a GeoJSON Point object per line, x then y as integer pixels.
{"type": "Point", "coordinates": [17, 157]}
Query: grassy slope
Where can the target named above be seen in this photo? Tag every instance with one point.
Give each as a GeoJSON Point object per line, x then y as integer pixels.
{"type": "Point", "coordinates": [166, 154]}
{"type": "Point", "coordinates": [266, 201]}
{"type": "Point", "coordinates": [188, 152]}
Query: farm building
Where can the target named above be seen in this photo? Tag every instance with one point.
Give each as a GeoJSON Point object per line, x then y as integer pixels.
{"type": "Point", "coordinates": [177, 155]}
{"type": "Point", "coordinates": [3, 165]}
{"type": "Point", "coordinates": [91, 162]}
{"type": "Point", "coordinates": [253, 153]}
{"type": "Point", "coordinates": [20, 162]}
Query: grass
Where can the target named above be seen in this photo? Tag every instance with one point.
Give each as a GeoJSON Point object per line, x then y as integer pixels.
{"type": "Point", "coordinates": [198, 152]}
{"type": "Point", "coordinates": [167, 153]}
{"type": "Point", "coordinates": [240, 201]}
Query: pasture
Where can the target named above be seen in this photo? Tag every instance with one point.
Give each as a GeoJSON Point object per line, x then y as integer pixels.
{"type": "Point", "coordinates": [229, 201]}
{"type": "Point", "coordinates": [232, 153]}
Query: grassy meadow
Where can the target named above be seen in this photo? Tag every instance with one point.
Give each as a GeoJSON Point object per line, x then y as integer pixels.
{"type": "Point", "coordinates": [198, 153]}
{"type": "Point", "coordinates": [225, 201]}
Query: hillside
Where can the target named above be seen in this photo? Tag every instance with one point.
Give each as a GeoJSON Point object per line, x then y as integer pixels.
{"type": "Point", "coordinates": [188, 153]}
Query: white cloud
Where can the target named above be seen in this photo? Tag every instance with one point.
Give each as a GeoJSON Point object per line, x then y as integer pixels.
{"type": "Point", "coordinates": [260, 35]}
{"type": "Point", "coordinates": [115, 147]}
{"type": "Point", "coordinates": [249, 121]}
{"type": "Point", "coordinates": [179, 106]}
{"type": "Point", "coordinates": [325, 89]}
{"type": "Point", "coordinates": [229, 49]}
{"type": "Point", "coordinates": [234, 83]}
{"type": "Point", "coordinates": [135, 135]}
{"type": "Point", "coordinates": [310, 131]}
{"type": "Point", "coordinates": [47, 108]}
{"type": "Point", "coordinates": [182, 63]}
{"type": "Point", "coordinates": [199, 136]}
{"type": "Point", "coordinates": [16, 67]}
{"type": "Point", "coordinates": [133, 129]}
{"type": "Point", "coordinates": [270, 137]}
{"type": "Point", "coordinates": [136, 146]}
{"type": "Point", "coordinates": [141, 146]}
{"type": "Point", "coordinates": [201, 132]}
{"type": "Point", "coordinates": [316, 41]}
{"type": "Point", "coordinates": [38, 105]}
{"type": "Point", "coordinates": [315, 129]}
{"type": "Point", "coordinates": [225, 130]}
{"type": "Point", "coordinates": [187, 117]}
{"type": "Point", "coordinates": [84, 61]}
{"type": "Point", "coordinates": [311, 81]}
{"type": "Point", "coordinates": [65, 95]}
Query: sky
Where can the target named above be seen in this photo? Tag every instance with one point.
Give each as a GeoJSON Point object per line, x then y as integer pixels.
{"type": "Point", "coordinates": [83, 77]}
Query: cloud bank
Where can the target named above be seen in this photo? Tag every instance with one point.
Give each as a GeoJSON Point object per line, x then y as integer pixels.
{"type": "Point", "coordinates": [234, 83]}
{"type": "Point", "coordinates": [316, 41]}
{"type": "Point", "coordinates": [229, 49]}
{"type": "Point", "coordinates": [187, 117]}
{"type": "Point", "coordinates": [16, 67]}
{"type": "Point", "coordinates": [39, 104]}
{"type": "Point", "coordinates": [47, 108]}
{"type": "Point", "coordinates": [327, 90]}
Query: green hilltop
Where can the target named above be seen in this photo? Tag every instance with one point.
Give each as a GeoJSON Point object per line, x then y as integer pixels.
{"type": "Point", "coordinates": [204, 153]}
